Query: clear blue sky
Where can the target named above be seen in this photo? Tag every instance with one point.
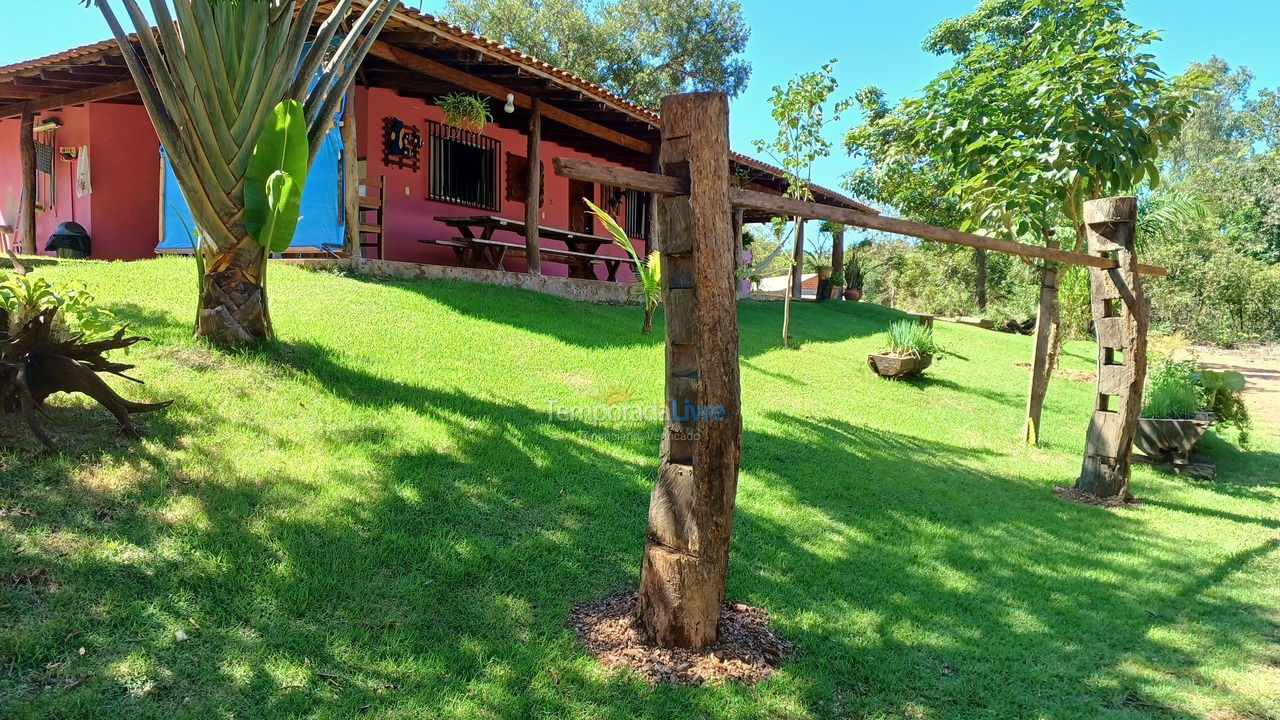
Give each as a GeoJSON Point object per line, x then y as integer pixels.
{"type": "Point", "coordinates": [877, 43]}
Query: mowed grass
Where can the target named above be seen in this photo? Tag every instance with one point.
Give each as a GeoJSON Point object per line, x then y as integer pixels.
{"type": "Point", "coordinates": [379, 517]}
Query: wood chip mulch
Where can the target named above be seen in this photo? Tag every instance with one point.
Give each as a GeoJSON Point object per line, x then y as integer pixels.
{"type": "Point", "coordinates": [1084, 498]}
{"type": "Point", "coordinates": [747, 650]}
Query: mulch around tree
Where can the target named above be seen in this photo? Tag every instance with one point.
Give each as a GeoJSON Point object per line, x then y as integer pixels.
{"type": "Point", "coordinates": [747, 650]}
{"type": "Point", "coordinates": [1084, 498]}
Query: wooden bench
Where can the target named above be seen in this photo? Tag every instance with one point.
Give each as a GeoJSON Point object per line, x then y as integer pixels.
{"type": "Point", "coordinates": [477, 248]}
{"type": "Point", "coordinates": [475, 252]}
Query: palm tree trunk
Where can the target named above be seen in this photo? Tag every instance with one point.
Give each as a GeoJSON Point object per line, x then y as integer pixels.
{"type": "Point", "coordinates": [233, 301]}
{"type": "Point", "coordinates": [648, 320]}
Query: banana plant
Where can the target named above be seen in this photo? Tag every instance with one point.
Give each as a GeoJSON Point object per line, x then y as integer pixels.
{"type": "Point", "coordinates": [211, 75]}
{"type": "Point", "coordinates": [647, 285]}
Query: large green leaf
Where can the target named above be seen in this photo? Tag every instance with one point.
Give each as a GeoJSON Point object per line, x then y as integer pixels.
{"type": "Point", "coordinates": [281, 150]}
{"type": "Point", "coordinates": [284, 200]}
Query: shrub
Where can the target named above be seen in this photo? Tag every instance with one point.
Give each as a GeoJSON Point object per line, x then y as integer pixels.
{"type": "Point", "coordinates": [1222, 394]}
{"type": "Point", "coordinates": [909, 338]}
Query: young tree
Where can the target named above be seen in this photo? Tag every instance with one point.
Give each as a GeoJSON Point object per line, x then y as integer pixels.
{"type": "Point", "coordinates": [1049, 103]}
{"type": "Point", "coordinates": [801, 111]}
{"type": "Point", "coordinates": [211, 77]}
{"type": "Point", "coordinates": [640, 49]}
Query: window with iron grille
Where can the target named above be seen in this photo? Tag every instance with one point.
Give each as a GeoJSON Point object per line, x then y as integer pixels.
{"type": "Point", "coordinates": [463, 166]}
{"type": "Point", "coordinates": [636, 205]}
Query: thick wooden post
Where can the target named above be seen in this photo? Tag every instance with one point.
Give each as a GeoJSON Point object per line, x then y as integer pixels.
{"type": "Point", "coordinates": [27, 152]}
{"type": "Point", "coordinates": [1046, 313]}
{"type": "Point", "coordinates": [837, 252]}
{"type": "Point", "coordinates": [738, 249]}
{"type": "Point", "coordinates": [533, 195]}
{"type": "Point", "coordinates": [797, 267]}
{"type": "Point", "coordinates": [350, 176]}
{"type": "Point", "coordinates": [980, 280]}
{"type": "Point", "coordinates": [1121, 315]}
{"type": "Point", "coordinates": [686, 554]}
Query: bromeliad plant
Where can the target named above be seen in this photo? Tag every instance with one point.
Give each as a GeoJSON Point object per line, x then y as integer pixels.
{"type": "Point", "coordinates": [211, 76]}
{"type": "Point", "coordinates": [55, 339]}
{"type": "Point", "coordinates": [647, 285]}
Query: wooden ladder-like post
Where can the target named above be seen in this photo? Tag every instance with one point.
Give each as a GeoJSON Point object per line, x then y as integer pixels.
{"type": "Point", "coordinates": [686, 556]}
{"type": "Point", "coordinates": [1121, 315]}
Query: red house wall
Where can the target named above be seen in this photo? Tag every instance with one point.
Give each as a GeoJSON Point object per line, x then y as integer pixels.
{"type": "Point", "coordinates": [66, 206]}
{"type": "Point", "coordinates": [410, 216]}
{"type": "Point", "coordinates": [125, 170]}
{"type": "Point", "coordinates": [122, 212]}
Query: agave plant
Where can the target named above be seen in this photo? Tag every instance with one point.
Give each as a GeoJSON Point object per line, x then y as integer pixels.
{"type": "Point", "coordinates": [647, 285]}
{"type": "Point", "coordinates": [212, 75]}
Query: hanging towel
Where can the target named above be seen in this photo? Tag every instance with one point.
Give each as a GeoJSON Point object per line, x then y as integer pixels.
{"type": "Point", "coordinates": [83, 185]}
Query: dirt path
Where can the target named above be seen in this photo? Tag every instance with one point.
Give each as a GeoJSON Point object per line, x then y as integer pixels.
{"type": "Point", "coordinates": [1260, 366]}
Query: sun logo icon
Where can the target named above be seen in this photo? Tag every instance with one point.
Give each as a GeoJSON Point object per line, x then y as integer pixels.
{"type": "Point", "coordinates": [618, 394]}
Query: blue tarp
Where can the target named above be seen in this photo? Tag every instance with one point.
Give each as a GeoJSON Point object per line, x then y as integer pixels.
{"type": "Point", "coordinates": [323, 215]}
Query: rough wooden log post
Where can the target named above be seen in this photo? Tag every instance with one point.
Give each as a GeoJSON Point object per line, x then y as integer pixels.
{"type": "Point", "coordinates": [1121, 314]}
{"type": "Point", "coordinates": [27, 151]}
{"type": "Point", "coordinates": [686, 554]}
{"type": "Point", "coordinates": [350, 177]}
{"type": "Point", "coordinates": [533, 192]}
{"type": "Point", "coordinates": [1040, 370]}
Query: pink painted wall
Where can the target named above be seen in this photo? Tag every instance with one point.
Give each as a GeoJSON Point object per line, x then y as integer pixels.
{"type": "Point", "coordinates": [66, 206]}
{"type": "Point", "coordinates": [125, 168]}
{"type": "Point", "coordinates": [121, 214]}
{"type": "Point", "coordinates": [410, 216]}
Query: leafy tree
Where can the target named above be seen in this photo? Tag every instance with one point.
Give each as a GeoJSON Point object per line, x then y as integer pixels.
{"type": "Point", "coordinates": [1229, 158]}
{"type": "Point", "coordinates": [1049, 103]}
{"type": "Point", "coordinates": [800, 108]}
{"type": "Point", "coordinates": [639, 49]}
{"type": "Point", "coordinates": [211, 78]}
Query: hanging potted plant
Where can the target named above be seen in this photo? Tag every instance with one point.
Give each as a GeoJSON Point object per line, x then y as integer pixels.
{"type": "Point", "coordinates": [911, 350]}
{"type": "Point", "coordinates": [465, 111]}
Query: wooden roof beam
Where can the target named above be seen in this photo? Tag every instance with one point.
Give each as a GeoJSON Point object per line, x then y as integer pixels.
{"type": "Point", "coordinates": [414, 61]}
{"type": "Point", "coordinates": [75, 97]}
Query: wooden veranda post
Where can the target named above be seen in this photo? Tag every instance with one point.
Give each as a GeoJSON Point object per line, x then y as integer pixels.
{"type": "Point", "coordinates": [1046, 311]}
{"type": "Point", "coordinates": [533, 193]}
{"type": "Point", "coordinates": [27, 151]}
{"type": "Point", "coordinates": [1121, 314]}
{"type": "Point", "coordinates": [351, 176]}
{"type": "Point", "coordinates": [686, 555]}
{"type": "Point", "coordinates": [797, 257]}
{"type": "Point", "coordinates": [837, 252]}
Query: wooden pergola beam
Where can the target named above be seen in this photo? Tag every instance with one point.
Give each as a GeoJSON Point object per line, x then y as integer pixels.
{"type": "Point", "coordinates": [414, 61]}
{"type": "Point", "coordinates": [75, 97]}
{"type": "Point", "coordinates": [790, 207]}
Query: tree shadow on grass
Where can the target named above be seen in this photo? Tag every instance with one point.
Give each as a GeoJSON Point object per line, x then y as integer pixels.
{"type": "Point", "coordinates": [432, 581]}
{"type": "Point", "coordinates": [595, 326]}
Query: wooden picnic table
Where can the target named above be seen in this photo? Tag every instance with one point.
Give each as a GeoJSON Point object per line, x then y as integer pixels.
{"type": "Point", "coordinates": [477, 248]}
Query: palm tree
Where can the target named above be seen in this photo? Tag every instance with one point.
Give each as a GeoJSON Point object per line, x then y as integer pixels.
{"type": "Point", "coordinates": [211, 74]}
{"type": "Point", "coordinates": [647, 285]}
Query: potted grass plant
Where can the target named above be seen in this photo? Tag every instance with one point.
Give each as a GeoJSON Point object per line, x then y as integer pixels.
{"type": "Point", "coordinates": [910, 350]}
{"type": "Point", "coordinates": [837, 284]}
{"type": "Point", "coordinates": [1182, 400]}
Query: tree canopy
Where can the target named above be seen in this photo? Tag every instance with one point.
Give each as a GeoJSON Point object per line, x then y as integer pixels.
{"type": "Point", "coordinates": [639, 49]}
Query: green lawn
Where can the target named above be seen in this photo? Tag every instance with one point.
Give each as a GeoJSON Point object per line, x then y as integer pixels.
{"type": "Point", "coordinates": [384, 498]}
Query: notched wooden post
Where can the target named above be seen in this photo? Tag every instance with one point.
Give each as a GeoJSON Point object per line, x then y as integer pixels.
{"type": "Point", "coordinates": [1120, 317]}
{"type": "Point", "coordinates": [686, 554]}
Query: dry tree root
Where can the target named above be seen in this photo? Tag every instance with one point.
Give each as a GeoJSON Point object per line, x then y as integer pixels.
{"type": "Point", "coordinates": [34, 365]}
